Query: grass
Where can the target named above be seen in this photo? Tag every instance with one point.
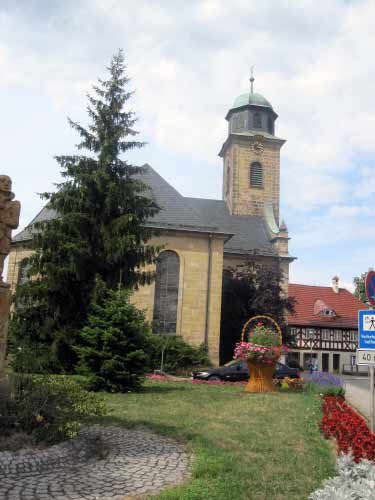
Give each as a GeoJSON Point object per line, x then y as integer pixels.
{"type": "Point", "coordinates": [257, 447]}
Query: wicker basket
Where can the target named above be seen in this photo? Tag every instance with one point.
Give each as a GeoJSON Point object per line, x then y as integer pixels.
{"type": "Point", "coordinates": [261, 377]}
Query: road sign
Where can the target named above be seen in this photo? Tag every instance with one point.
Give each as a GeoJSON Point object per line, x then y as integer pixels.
{"type": "Point", "coordinates": [365, 357]}
{"type": "Point", "coordinates": [366, 329]}
{"type": "Point", "coordinates": [370, 287]}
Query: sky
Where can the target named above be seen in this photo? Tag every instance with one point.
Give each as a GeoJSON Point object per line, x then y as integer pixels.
{"type": "Point", "coordinates": [187, 62]}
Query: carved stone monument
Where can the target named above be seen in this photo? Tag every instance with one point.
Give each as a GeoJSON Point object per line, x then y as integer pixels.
{"type": "Point", "coordinates": [9, 219]}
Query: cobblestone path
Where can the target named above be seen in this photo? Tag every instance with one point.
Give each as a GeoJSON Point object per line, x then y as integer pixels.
{"type": "Point", "coordinates": [129, 462]}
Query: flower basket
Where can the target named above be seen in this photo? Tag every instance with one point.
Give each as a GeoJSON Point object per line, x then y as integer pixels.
{"type": "Point", "coordinates": [261, 377]}
{"type": "Point", "coordinates": [261, 353]}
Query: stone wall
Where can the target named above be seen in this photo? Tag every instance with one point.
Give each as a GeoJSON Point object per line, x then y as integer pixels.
{"type": "Point", "coordinates": [192, 321]}
{"type": "Point", "coordinates": [193, 251]}
{"type": "Point", "coordinates": [243, 199]}
{"type": "Point", "coordinates": [17, 254]}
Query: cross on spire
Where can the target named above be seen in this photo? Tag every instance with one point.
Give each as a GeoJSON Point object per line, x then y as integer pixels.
{"type": "Point", "coordinates": [252, 79]}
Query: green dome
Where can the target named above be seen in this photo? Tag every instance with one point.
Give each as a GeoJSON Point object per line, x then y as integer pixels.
{"type": "Point", "coordinates": [252, 99]}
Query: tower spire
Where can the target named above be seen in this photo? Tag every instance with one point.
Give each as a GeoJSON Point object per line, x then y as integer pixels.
{"type": "Point", "coordinates": [252, 79]}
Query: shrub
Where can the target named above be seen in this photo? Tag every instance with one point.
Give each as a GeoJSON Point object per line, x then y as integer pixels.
{"type": "Point", "coordinates": [354, 481]}
{"type": "Point", "coordinates": [49, 407]}
{"type": "Point", "coordinates": [178, 355]}
{"type": "Point", "coordinates": [33, 358]}
{"type": "Point", "coordinates": [115, 339]}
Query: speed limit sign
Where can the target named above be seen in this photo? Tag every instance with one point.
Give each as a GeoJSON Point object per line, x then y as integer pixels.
{"type": "Point", "coordinates": [365, 357]}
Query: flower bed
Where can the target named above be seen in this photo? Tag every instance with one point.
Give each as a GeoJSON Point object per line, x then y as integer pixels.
{"type": "Point", "coordinates": [323, 379]}
{"type": "Point", "coordinates": [323, 383]}
{"type": "Point", "coordinates": [349, 429]}
{"type": "Point", "coordinates": [354, 481]}
{"type": "Point", "coordinates": [287, 383]}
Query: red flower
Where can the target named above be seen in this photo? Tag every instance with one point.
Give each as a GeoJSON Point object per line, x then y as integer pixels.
{"type": "Point", "coordinates": [349, 429]}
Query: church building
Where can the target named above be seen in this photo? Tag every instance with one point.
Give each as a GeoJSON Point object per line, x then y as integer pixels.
{"type": "Point", "coordinates": [201, 237]}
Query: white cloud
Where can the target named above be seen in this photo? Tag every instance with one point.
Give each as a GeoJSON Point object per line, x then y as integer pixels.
{"type": "Point", "coordinates": [188, 61]}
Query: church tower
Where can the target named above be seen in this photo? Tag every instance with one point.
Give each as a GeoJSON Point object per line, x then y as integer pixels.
{"type": "Point", "coordinates": [251, 159]}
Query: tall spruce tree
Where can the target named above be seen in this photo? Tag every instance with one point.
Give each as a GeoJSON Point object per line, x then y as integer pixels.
{"type": "Point", "coordinates": [99, 232]}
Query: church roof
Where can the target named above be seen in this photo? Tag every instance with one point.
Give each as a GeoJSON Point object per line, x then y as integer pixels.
{"type": "Point", "coordinates": [243, 233]}
{"type": "Point", "coordinates": [26, 234]}
{"type": "Point", "coordinates": [252, 99]}
{"type": "Point", "coordinates": [249, 232]}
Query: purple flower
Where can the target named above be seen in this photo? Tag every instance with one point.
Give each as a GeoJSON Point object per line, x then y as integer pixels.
{"type": "Point", "coordinates": [323, 379]}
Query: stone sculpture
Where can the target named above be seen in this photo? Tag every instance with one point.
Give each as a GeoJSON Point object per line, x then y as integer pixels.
{"type": "Point", "coordinates": [9, 219]}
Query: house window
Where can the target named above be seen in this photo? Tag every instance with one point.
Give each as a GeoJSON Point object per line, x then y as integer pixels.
{"type": "Point", "coordinates": [256, 175]}
{"type": "Point", "coordinates": [166, 292]}
{"type": "Point", "coordinates": [257, 120]}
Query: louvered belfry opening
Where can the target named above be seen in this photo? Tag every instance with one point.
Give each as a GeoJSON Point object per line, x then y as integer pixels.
{"type": "Point", "coordinates": [166, 292]}
{"type": "Point", "coordinates": [256, 175]}
{"type": "Point", "coordinates": [257, 120]}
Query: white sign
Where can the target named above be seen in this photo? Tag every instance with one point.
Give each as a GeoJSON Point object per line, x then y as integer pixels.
{"type": "Point", "coordinates": [368, 322]}
{"type": "Point", "coordinates": [365, 357]}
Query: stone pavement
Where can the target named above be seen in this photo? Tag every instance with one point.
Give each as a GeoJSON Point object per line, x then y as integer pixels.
{"type": "Point", "coordinates": [121, 463]}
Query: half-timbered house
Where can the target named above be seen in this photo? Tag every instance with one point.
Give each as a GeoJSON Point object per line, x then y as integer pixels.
{"type": "Point", "coordinates": [325, 327]}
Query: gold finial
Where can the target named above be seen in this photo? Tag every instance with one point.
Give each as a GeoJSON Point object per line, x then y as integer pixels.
{"type": "Point", "coordinates": [252, 79]}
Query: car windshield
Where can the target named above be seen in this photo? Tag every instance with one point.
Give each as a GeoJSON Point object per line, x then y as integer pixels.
{"type": "Point", "coordinates": [230, 363]}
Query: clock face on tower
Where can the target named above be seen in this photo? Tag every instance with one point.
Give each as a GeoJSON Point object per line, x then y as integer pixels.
{"type": "Point", "coordinates": [257, 147]}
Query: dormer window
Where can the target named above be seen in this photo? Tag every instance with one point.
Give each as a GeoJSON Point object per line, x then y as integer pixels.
{"type": "Point", "coordinates": [322, 309]}
{"type": "Point", "coordinates": [257, 120]}
{"type": "Point", "coordinates": [256, 175]}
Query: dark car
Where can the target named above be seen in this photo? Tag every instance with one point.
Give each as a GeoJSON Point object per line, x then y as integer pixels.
{"type": "Point", "coordinates": [237, 370]}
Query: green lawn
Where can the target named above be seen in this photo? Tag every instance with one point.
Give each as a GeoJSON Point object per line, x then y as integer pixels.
{"type": "Point", "coordinates": [246, 446]}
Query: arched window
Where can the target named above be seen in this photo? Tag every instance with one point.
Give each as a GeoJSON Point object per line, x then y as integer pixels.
{"type": "Point", "coordinates": [257, 120]}
{"type": "Point", "coordinates": [256, 175]}
{"type": "Point", "coordinates": [166, 292]}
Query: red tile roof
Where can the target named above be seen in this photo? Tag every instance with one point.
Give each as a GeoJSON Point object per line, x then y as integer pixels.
{"type": "Point", "coordinates": [344, 303]}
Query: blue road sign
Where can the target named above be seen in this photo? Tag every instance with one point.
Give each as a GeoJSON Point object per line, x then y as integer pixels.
{"type": "Point", "coordinates": [366, 329]}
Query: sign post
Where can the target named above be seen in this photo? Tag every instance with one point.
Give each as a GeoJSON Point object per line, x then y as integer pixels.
{"type": "Point", "coordinates": [366, 351]}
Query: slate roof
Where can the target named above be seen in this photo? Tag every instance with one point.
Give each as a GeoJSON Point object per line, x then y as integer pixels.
{"type": "Point", "coordinates": [243, 233]}
{"type": "Point", "coordinates": [344, 303]}
{"type": "Point", "coordinates": [45, 214]}
{"type": "Point", "coordinates": [249, 232]}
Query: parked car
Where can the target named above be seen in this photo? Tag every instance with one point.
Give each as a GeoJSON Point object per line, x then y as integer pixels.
{"type": "Point", "coordinates": [237, 370]}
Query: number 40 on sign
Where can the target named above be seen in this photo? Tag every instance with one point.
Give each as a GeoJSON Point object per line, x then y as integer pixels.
{"type": "Point", "coordinates": [366, 357]}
